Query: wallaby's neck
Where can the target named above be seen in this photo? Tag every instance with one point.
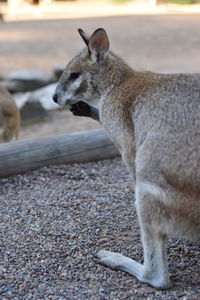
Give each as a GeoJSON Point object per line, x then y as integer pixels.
{"type": "Point", "coordinates": [113, 73]}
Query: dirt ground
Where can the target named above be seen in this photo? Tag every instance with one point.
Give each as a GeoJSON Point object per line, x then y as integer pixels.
{"type": "Point", "coordinates": [161, 43]}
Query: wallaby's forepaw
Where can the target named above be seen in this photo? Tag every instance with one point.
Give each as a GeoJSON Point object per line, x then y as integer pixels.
{"type": "Point", "coordinates": [81, 109]}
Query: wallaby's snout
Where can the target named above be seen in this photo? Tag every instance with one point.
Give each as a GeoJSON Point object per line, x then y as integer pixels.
{"type": "Point", "coordinates": [55, 98]}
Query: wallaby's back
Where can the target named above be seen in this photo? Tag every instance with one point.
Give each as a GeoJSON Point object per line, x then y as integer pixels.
{"type": "Point", "coordinates": [9, 116]}
{"type": "Point", "coordinates": [167, 116]}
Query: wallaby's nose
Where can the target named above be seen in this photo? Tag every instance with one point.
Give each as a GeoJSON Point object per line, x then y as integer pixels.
{"type": "Point", "coordinates": [55, 98]}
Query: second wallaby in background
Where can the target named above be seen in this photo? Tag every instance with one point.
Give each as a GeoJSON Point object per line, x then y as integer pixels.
{"type": "Point", "coordinates": [154, 119]}
{"type": "Point", "coordinates": [9, 117]}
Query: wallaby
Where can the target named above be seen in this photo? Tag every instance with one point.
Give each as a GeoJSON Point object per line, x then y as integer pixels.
{"type": "Point", "coordinates": [154, 119]}
{"type": "Point", "coordinates": [1, 18]}
{"type": "Point", "coordinates": [9, 116]}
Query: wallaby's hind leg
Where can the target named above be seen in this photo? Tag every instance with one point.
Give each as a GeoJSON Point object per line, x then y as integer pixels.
{"type": "Point", "coordinates": [7, 136]}
{"type": "Point", "coordinates": [10, 130]}
{"type": "Point", "coordinates": [154, 270]}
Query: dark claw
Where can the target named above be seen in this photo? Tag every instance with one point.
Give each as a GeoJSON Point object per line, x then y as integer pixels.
{"type": "Point", "coordinates": [74, 109]}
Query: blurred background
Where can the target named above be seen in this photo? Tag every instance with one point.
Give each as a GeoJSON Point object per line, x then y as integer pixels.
{"type": "Point", "coordinates": [39, 37]}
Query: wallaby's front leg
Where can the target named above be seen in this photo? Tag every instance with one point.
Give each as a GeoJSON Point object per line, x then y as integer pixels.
{"type": "Point", "coordinates": [83, 109]}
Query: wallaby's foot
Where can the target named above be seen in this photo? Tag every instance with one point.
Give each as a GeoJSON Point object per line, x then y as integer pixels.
{"type": "Point", "coordinates": [118, 261]}
{"type": "Point", "coordinates": [83, 109]}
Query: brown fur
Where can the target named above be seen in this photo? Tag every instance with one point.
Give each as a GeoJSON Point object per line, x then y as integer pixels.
{"type": "Point", "coordinates": [9, 116]}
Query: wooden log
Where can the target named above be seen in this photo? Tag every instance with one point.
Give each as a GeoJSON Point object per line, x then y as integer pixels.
{"type": "Point", "coordinates": [84, 146]}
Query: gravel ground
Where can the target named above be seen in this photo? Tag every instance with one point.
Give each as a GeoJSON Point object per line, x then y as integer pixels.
{"type": "Point", "coordinates": [53, 220]}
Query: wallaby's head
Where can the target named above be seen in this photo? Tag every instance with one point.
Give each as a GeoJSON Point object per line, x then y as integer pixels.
{"type": "Point", "coordinates": [81, 76]}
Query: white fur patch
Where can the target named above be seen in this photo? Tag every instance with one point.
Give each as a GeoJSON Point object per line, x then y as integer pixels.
{"type": "Point", "coordinates": [143, 187]}
{"type": "Point", "coordinates": [69, 96]}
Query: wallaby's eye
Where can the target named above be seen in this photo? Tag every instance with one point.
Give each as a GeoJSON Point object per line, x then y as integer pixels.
{"type": "Point", "coordinates": [74, 75]}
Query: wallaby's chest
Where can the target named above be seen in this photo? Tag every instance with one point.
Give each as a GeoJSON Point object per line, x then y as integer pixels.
{"type": "Point", "coordinates": [118, 123]}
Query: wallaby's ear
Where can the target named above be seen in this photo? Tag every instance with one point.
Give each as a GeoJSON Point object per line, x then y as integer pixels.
{"type": "Point", "coordinates": [98, 44]}
{"type": "Point", "coordinates": [84, 36]}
